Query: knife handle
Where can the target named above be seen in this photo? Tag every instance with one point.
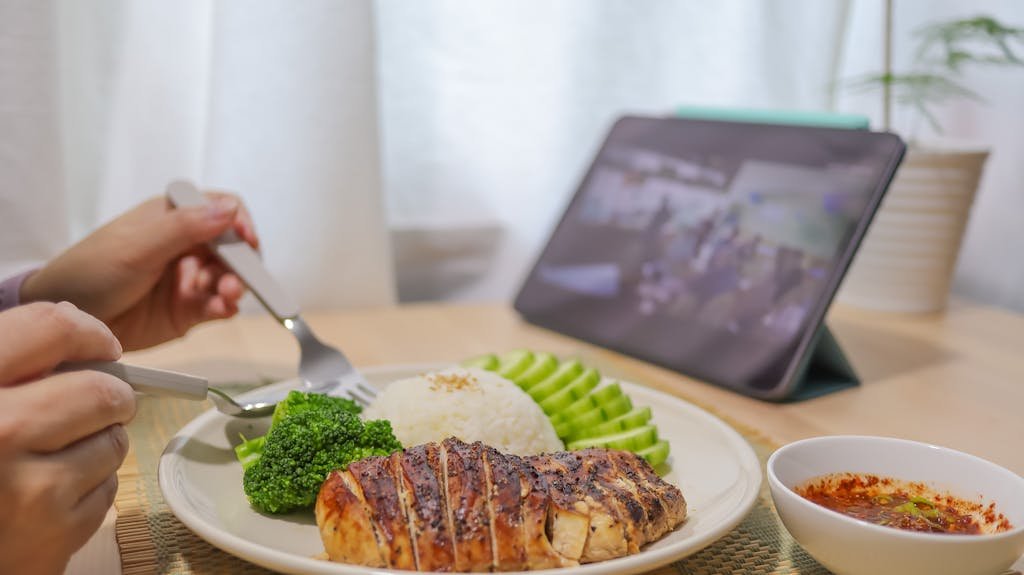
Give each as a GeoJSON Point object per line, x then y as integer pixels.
{"type": "Point", "coordinates": [147, 379]}
{"type": "Point", "coordinates": [239, 257]}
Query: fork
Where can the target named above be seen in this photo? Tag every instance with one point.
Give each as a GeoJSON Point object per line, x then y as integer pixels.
{"type": "Point", "coordinates": [322, 367]}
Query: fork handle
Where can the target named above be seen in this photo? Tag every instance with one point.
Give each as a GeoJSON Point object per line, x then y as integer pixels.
{"type": "Point", "coordinates": [147, 379]}
{"type": "Point", "coordinates": [239, 257]}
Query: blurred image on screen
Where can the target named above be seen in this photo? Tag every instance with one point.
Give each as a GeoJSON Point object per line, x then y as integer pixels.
{"type": "Point", "coordinates": [729, 255]}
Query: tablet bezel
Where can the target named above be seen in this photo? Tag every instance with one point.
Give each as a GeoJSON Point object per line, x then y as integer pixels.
{"type": "Point", "coordinates": [888, 145]}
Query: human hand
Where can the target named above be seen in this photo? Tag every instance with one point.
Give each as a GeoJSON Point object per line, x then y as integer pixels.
{"type": "Point", "coordinates": [148, 274]}
{"type": "Point", "coordinates": [61, 435]}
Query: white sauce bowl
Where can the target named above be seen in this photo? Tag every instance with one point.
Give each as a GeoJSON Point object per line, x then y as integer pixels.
{"type": "Point", "coordinates": [850, 546]}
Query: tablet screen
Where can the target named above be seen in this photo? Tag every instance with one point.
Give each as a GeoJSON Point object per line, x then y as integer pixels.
{"type": "Point", "coordinates": [712, 248]}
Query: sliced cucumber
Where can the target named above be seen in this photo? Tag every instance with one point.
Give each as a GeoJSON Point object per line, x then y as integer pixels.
{"type": "Point", "coordinates": [637, 417]}
{"type": "Point", "coordinates": [600, 414]}
{"type": "Point", "coordinates": [543, 365]}
{"type": "Point", "coordinates": [600, 396]}
{"type": "Point", "coordinates": [589, 419]}
{"type": "Point", "coordinates": [632, 440]}
{"type": "Point", "coordinates": [589, 379]}
{"type": "Point", "coordinates": [560, 377]}
{"type": "Point", "coordinates": [514, 363]}
{"type": "Point", "coordinates": [563, 430]}
{"type": "Point", "coordinates": [488, 361]}
{"type": "Point", "coordinates": [607, 393]}
{"type": "Point", "coordinates": [564, 397]}
{"type": "Point", "coordinates": [655, 454]}
{"type": "Point", "coordinates": [584, 411]}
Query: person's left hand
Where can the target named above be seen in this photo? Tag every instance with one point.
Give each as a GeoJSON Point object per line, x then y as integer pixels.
{"type": "Point", "coordinates": [148, 274]}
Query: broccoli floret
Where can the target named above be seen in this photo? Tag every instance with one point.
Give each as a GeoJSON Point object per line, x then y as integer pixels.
{"type": "Point", "coordinates": [377, 434]}
{"type": "Point", "coordinates": [250, 450]}
{"type": "Point", "coordinates": [310, 435]}
{"type": "Point", "coordinates": [298, 401]}
{"type": "Point", "coordinates": [303, 447]}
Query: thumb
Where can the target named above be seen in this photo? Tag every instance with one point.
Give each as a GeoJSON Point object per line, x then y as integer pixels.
{"type": "Point", "coordinates": [181, 230]}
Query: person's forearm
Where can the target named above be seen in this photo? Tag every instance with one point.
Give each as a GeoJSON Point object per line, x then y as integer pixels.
{"type": "Point", "coordinates": [10, 290]}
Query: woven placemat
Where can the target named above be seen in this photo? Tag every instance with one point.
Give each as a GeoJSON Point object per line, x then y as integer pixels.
{"type": "Point", "coordinates": [153, 541]}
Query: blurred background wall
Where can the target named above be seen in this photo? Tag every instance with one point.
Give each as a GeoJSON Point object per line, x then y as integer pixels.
{"type": "Point", "coordinates": [423, 150]}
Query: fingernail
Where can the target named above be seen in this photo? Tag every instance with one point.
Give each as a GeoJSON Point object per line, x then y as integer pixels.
{"type": "Point", "coordinates": [66, 303]}
{"type": "Point", "coordinates": [221, 209]}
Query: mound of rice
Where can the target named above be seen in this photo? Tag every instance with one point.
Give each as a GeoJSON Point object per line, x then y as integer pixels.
{"type": "Point", "coordinates": [471, 404]}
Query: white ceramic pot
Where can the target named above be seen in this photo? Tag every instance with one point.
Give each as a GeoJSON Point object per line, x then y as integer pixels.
{"type": "Point", "coordinates": [907, 259]}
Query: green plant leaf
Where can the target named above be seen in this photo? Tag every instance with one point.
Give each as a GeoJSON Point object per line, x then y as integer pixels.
{"type": "Point", "coordinates": [945, 49]}
{"type": "Point", "coordinates": [979, 40]}
{"type": "Point", "coordinates": [919, 91]}
{"type": "Point", "coordinates": [922, 109]}
{"type": "Point", "coordinates": [915, 86]}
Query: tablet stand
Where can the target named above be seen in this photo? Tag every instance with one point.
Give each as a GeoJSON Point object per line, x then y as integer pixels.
{"type": "Point", "coordinates": [826, 369]}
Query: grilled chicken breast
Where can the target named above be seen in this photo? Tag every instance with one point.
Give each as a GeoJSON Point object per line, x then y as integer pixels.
{"type": "Point", "coordinates": [463, 507]}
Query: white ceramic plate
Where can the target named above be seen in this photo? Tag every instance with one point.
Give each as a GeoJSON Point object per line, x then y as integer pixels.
{"type": "Point", "coordinates": [717, 471]}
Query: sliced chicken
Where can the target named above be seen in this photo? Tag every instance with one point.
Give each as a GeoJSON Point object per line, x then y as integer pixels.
{"type": "Point", "coordinates": [375, 477]}
{"type": "Point", "coordinates": [423, 496]}
{"type": "Point", "coordinates": [614, 509]}
{"type": "Point", "coordinates": [467, 498]}
{"type": "Point", "coordinates": [347, 522]}
{"type": "Point", "coordinates": [640, 502]}
{"type": "Point", "coordinates": [465, 507]}
{"type": "Point", "coordinates": [634, 468]}
{"type": "Point", "coordinates": [581, 529]}
{"type": "Point", "coordinates": [505, 510]}
{"type": "Point", "coordinates": [537, 508]}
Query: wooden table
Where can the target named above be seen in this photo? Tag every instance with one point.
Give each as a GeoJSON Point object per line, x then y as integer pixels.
{"type": "Point", "coordinates": [953, 379]}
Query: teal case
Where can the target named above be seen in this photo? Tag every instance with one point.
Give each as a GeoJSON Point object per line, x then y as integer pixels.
{"type": "Point", "coordinates": [825, 368]}
{"type": "Point", "coordinates": [786, 117]}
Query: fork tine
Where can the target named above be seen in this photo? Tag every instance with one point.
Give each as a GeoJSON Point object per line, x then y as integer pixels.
{"type": "Point", "coordinates": [362, 399]}
{"type": "Point", "coordinates": [355, 394]}
{"type": "Point", "coordinates": [365, 389]}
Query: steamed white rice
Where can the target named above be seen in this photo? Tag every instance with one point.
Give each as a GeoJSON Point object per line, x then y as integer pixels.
{"type": "Point", "coordinates": [468, 403]}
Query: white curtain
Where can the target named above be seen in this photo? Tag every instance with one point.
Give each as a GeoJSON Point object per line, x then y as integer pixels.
{"type": "Point", "coordinates": [491, 110]}
{"type": "Point", "coordinates": [32, 211]}
{"type": "Point", "coordinates": [275, 100]}
{"type": "Point", "coordinates": [460, 126]}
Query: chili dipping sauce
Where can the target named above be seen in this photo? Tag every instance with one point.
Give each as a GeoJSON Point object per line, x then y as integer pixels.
{"type": "Point", "coordinates": [902, 505]}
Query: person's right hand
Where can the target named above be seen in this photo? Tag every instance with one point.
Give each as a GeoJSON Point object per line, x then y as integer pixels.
{"type": "Point", "coordinates": [61, 434]}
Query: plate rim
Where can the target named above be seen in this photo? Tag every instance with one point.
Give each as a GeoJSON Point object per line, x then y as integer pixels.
{"type": "Point", "coordinates": [292, 563]}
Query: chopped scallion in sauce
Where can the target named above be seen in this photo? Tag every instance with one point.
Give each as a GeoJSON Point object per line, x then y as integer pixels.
{"type": "Point", "coordinates": [902, 505]}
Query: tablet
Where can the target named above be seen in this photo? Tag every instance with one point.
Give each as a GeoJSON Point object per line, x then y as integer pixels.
{"type": "Point", "coordinates": [712, 248]}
